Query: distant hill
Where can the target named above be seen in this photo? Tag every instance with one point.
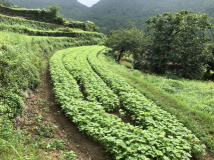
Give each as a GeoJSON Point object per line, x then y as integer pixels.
{"type": "Point", "coordinates": [112, 14]}
{"type": "Point", "coordinates": [6, 3]}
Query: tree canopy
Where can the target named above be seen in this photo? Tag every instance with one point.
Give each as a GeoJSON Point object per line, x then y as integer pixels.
{"type": "Point", "coordinates": [129, 40]}
{"type": "Point", "coordinates": [179, 39]}
{"type": "Point", "coordinates": [54, 9]}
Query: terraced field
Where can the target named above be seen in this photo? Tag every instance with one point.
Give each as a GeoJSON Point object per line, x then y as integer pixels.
{"type": "Point", "coordinates": [32, 27]}
{"type": "Point", "coordinates": [88, 94]}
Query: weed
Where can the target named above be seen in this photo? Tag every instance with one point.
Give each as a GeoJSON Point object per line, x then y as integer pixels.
{"type": "Point", "coordinates": [46, 109]}
{"type": "Point", "coordinates": [68, 155]}
{"type": "Point", "coordinates": [56, 144]}
{"type": "Point", "coordinates": [39, 118]}
{"type": "Point", "coordinates": [41, 102]}
{"type": "Point", "coordinates": [45, 130]}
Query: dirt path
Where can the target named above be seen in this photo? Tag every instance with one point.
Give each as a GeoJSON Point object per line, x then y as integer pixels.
{"type": "Point", "coordinates": [41, 104]}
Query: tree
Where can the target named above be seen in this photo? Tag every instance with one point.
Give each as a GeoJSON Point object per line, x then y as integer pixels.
{"type": "Point", "coordinates": [129, 40]}
{"type": "Point", "coordinates": [180, 39]}
{"type": "Point", "coordinates": [54, 9]}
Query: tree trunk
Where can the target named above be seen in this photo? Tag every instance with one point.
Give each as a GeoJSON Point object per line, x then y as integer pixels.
{"type": "Point", "coordinates": [120, 55]}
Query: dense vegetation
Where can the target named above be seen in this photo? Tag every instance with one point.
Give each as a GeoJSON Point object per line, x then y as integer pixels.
{"type": "Point", "coordinates": [190, 101]}
{"type": "Point", "coordinates": [22, 60]}
{"type": "Point", "coordinates": [154, 131]}
{"type": "Point", "coordinates": [165, 118]}
{"type": "Point", "coordinates": [173, 43]}
{"type": "Point", "coordinates": [179, 39]}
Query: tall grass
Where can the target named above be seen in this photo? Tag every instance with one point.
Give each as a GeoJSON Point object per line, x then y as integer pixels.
{"type": "Point", "coordinates": [197, 94]}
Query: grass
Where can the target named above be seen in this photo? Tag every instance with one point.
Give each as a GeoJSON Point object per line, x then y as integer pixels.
{"type": "Point", "coordinates": [34, 32]}
{"type": "Point", "coordinates": [7, 20]}
{"type": "Point", "coordinates": [188, 100]}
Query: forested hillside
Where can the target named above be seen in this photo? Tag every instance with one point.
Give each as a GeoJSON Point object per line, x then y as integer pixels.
{"type": "Point", "coordinates": [111, 14]}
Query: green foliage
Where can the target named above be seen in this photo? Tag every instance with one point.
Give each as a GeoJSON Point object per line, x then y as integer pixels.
{"type": "Point", "coordinates": [156, 130]}
{"type": "Point", "coordinates": [50, 15]}
{"type": "Point", "coordinates": [180, 39]}
{"type": "Point", "coordinates": [90, 26]}
{"type": "Point", "coordinates": [191, 101]}
{"type": "Point", "coordinates": [37, 25]}
{"type": "Point", "coordinates": [94, 88]}
{"type": "Point", "coordinates": [209, 74]}
{"type": "Point", "coordinates": [129, 40]}
{"type": "Point", "coordinates": [69, 155]}
{"type": "Point", "coordinates": [34, 14]}
{"type": "Point", "coordinates": [56, 144]}
{"type": "Point", "coordinates": [32, 32]}
{"type": "Point", "coordinates": [22, 60]}
{"type": "Point", "coordinates": [53, 10]}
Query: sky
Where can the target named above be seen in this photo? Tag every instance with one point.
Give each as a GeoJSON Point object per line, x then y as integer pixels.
{"type": "Point", "coordinates": [88, 3]}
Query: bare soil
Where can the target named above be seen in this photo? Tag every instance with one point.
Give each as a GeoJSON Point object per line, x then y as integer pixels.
{"type": "Point", "coordinates": [42, 102]}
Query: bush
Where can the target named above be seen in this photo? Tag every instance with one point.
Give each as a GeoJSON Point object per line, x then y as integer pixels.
{"type": "Point", "coordinates": [53, 10]}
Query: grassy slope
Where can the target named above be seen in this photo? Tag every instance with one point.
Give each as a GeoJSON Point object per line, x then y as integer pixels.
{"type": "Point", "coordinates": [23, 58]}
{"type": "Point", "coordinates": [36, 28]}
{"type": "Point", "coordinates": [200, 122]}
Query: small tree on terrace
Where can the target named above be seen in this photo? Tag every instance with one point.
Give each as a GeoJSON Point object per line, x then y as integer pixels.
{"type": "Point", "coordinates": [54, 9]}
{"type": "Point", "coordinates": [129, 40]}
{"type": "Point", "coordinates": [180, 39]}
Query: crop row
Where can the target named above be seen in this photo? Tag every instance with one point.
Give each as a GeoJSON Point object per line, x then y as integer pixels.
{"type": "Point", "coordinates": [123, 141]}
{"type": "Point", "coordinates": [94, 87]}
{"type": "Point", "coordinates": [143, 112]}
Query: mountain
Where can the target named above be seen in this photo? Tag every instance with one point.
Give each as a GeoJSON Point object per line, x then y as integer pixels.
{"type": "Point", "coordinates": [6, 3]}
{"type": "Point", "coordinates": [113, 14]}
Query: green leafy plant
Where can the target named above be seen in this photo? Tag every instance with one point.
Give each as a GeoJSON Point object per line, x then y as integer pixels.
{"type": "Point", "coordinates": [120, 139]}
{"type": "Point", "coordinates": [94, 88]}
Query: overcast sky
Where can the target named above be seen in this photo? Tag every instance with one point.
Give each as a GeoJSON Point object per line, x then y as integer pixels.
{"type": "Point", "coordinates": [88, 3]}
